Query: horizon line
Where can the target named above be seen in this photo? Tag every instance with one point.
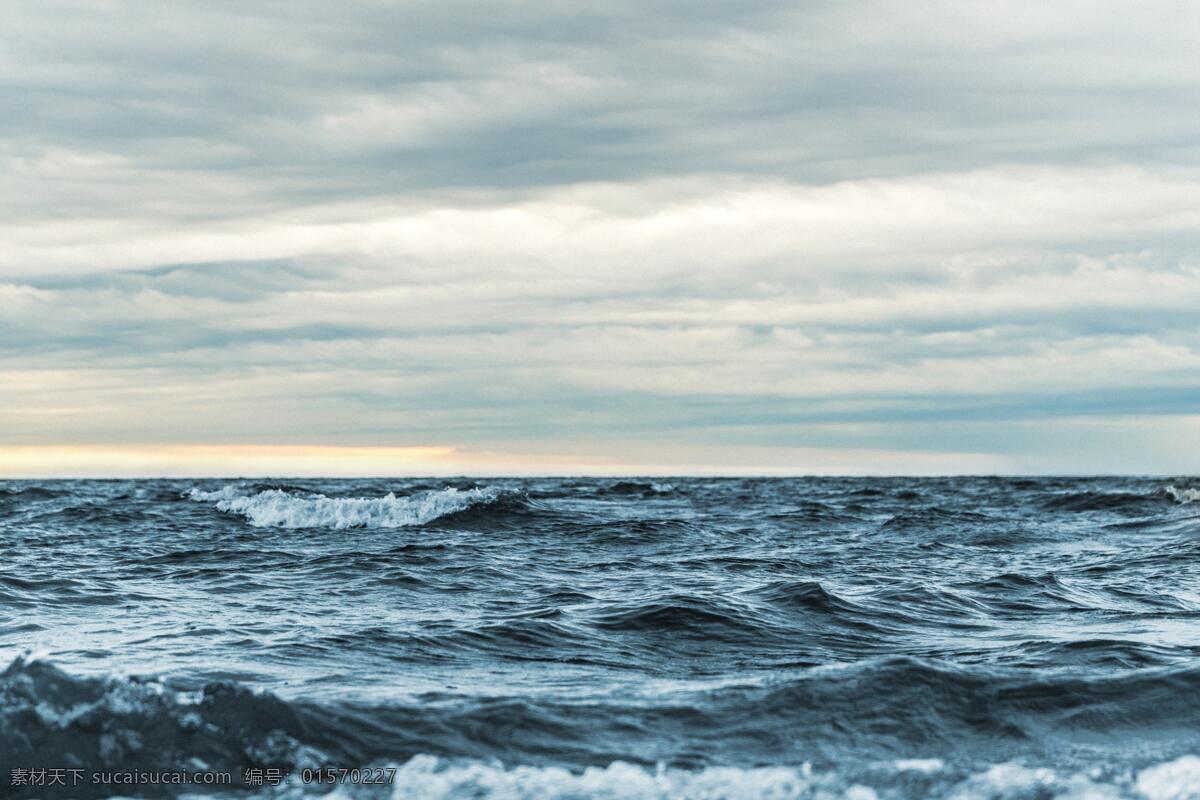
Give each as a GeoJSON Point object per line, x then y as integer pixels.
{"type": "Point", "coordinates": [163, 461]}
{"type": "Point", "coordinates": [592, 476]}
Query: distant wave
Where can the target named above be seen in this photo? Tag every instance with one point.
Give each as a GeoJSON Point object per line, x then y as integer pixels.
{"type": "Point", "coordinates": [275, 508]}
{"type": "Point", "coordinates": [812, 512]}
{"type": "Point", "coordinates": [1103, 501]}
{"type": "Point", "coordinates": [926, 518]}
{"type": "Point", "coordinates": [800, 594]}
{"type": "Point", "coordinates": [29, 493]}
{"type": "Point", "coordinates": [1121, 502]}
{"type": "Point", "coordinates": [634, 489]}
{"type": "Point", "coordinates": [1182, 496]}
{"type": "Point", "coordinates": [681, 615]}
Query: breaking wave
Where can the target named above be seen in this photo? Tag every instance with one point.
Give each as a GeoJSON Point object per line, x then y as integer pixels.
{"type": "Point", "coordinates": [276, 508]}
{"type": "Point", "coordinates": [47, 715]}
{"type": "Point", "coordinates": [429, 778]}
{"type": "Point", "coordinates": [1182, 496]}
{"type": "Point", "coordinates": [50, 717]}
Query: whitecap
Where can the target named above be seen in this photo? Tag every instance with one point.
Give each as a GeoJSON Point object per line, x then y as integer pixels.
{"type": "Point", "coordinates": [1174, 780]}
{"type": "Point", "coordinates": [429, 778]}
{"type": "Point", "coordinates": [279, 509]}
{"type": "Point", "coordinates": [926, 765]}
{"type": "Point", "coordinates": [1182, 496]}
{"type": "Point", "coordinates": [224, 493]}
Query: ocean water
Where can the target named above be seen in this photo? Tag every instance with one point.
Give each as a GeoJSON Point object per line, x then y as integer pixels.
{"type": "Point", "coordinates": [579, 638]}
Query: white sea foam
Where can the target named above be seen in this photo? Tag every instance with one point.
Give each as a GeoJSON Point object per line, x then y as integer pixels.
{"type": "Point", "coordinates": [426, 778]}
{"type": "Point", "coordinates": [1174, 780]}
{"type": "Point", "coordinates": [1183, 495]}
{"type": "Point", "coordinates": [229, 492]}
{"type": "Point", "coordinates": [430, 778]}
{"type": "Point", "coordinates": [1016, 781]}
{"type": "Point", "coordinates": [280, 509]}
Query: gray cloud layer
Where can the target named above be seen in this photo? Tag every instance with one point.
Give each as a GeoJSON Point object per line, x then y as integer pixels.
{"type": "Point", "coordinates": [965, 228]}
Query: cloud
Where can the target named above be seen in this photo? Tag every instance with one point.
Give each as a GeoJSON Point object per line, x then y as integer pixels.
{"type": "Point", "coordinates": [826, 225]}
{"type": "Point", "coordinates": [370, 99]}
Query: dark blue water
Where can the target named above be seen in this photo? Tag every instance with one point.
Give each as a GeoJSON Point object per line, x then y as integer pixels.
{"type": "Point", "coordinates": [569, 638]}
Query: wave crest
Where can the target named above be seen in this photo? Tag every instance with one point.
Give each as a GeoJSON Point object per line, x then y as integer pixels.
{"type": "Point", "coordinates": [275, 508]}
{"type": "Point", "coordinates": [48, 716]}
{"type": "Point", "coordinates": [1117, 502]}
{"type": "Point", "coordinates": [1182, 496]}
{"type": "Point", "coordinates": [921, 709]}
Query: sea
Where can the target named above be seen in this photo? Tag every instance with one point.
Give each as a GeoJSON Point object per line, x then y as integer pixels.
{"type": "Point", "coordinates": [859, 638]}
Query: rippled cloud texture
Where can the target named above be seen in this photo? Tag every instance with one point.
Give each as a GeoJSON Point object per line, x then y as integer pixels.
{"type": "Point", "coordinates": [653, 236]}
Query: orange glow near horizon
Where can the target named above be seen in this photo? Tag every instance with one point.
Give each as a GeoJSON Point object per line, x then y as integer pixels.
{"type": "Point", "coordinates": [218, 460]}
{"type": "Point", "coordinates": [333, 461]}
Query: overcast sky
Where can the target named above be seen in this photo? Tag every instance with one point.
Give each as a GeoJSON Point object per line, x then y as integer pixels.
{"type": "Point", "coordinates": [798, 237]}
